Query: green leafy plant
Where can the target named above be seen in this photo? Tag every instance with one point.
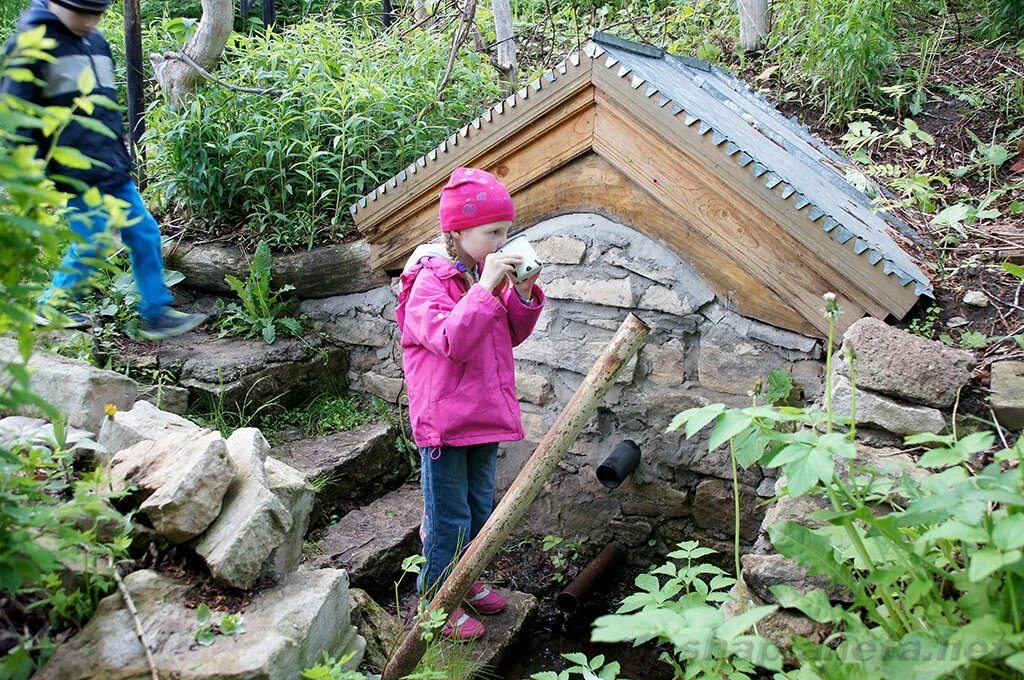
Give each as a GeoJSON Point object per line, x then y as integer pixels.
{"type": "Point", "coordinates": [49, 517]}
{"type": "Point", "coordinates": [262, 311]}
{"type": "Point", "coordinates": [325, 414]}
{"type": "Point", "coordinates": [286, 167]}
{"type": "Point", "coordinates": [207, 629]}
{"type": "Point", "coordinates": [588, 669]}
{"type": "Point", "coordinates": [931, 563]}
{"type": "Point", "coordinates": [925, 325]}
{"type": "Point", "coordinates": [333, 669]}
{"type": "Point", "coordinates": [561, 554]}
{"type": "Point", "coordinates": [684, 612]}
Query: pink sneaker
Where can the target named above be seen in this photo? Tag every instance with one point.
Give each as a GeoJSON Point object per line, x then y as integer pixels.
{"type": "Point", "coordinates": [483, 600]}
{"type": "Point", "coordinates": [461, 626]}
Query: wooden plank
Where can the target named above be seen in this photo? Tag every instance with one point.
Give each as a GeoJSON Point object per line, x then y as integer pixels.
{"type": "Point", "coordinates": [720, 213]}
{"type": "Point", "coordinates": [878, 290]}
{"type": "Point", "coordinates": [513, 119]}
{"type": "Point", "coordinates": [518, 167]}
{"type": "Point", "coordinates": [426, 194]}
{"type": "Point", "coordinates": [585, 186]}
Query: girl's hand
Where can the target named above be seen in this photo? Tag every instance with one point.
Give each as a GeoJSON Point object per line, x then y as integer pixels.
{"type": "Point", "coordinates": [497, 268]}
{"type": "Point", "coordinates": [525, 287]}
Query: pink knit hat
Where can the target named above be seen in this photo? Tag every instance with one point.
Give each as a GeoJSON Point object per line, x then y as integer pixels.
{"type": "Point", "coordinates": [473, 197]}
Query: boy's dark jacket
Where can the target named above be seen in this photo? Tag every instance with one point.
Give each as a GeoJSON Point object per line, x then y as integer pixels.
{"type": "Point", "coordinates": [60, 78]}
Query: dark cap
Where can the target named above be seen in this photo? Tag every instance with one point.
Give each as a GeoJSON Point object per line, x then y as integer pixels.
{"type": "Point", "coordinates": [85, 6]}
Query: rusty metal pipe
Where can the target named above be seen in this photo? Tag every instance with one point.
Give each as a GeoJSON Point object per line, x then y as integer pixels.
{"type": "Point", "coordinates": [600, 569]}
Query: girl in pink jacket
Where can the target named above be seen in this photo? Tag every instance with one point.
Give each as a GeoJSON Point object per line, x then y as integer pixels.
{"type": "Point", "coordinates": [460, 316]}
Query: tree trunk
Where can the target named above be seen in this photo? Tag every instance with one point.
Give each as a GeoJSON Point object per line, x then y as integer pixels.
{"type": "Point", "coordinates": [419, 11]}
{"type": "Point", "coordinates": [177, 79]}
{"type": "Point", "coordinates": [754, 24]}
{"type": "Point", "coordinates": [506, 39]}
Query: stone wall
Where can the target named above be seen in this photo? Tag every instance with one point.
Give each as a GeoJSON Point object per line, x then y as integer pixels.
{"type": "Point", "coordinates": [597, 271]}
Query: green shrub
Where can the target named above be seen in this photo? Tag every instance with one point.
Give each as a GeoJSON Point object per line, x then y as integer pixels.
{"type": "Point", "coordinates": [287, 166]}
{"type": "Point", "coordinates": [47, 518]}
{"type": "Point", "coordinates": [843, 49]}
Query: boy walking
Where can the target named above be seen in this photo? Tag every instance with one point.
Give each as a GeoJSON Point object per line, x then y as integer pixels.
{"type": "Point", "coordinates": [79, 46]}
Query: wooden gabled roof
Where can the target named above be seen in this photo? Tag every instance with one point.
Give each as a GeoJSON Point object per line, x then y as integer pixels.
{"type": "Point", "coordinates": [763, 192]}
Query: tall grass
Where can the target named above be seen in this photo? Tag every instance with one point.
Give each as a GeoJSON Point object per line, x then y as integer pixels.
{"type": "Point", "coordinates": [286, 167]}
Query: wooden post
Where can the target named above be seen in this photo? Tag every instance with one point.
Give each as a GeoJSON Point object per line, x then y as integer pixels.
{"type": "Point", "coordinates": [524, 489]}
{"type": "Point", "coordinates": [269, 13]}
{"type": "Point", "coordinates": [136, 93]}
{"type": "Point", "coordinates": [753, 24]}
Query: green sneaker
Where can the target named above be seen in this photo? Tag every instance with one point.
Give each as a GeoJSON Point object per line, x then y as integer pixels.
{"type": "Point", "coordinates": [66, 321]}
{"type": "Point", "coordinates": [170, 324]}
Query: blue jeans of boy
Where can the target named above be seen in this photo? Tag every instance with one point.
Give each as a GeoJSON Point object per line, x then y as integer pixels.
{"type": "Point", "coordinates": [141, 238]}
{"type": "Point", "coordinates": [458, 497]}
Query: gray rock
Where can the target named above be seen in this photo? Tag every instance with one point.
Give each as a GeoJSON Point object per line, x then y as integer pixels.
{"type": "Point", "coordinates": [336, 269]}
{"type": "Point", "coordinates": [668, 362]}
{"type": "Point", "coordinates": [38, 431]}
{"type": "Point", "coordinates": [608, 292]}
{"type": "Point", "coordinates": [976, 298]}
{"type": "Point", "coordinates": [888, 414]}
{"type": "Point", "coordinates": [288, 628]}
{"type": "Point", "coordinates": [182, 480]}
{"type": "Point", "coordinates": [781, 626]}
{"type": "Point", "coordinates": [362, 319]}
{"type": "Point", "coordinates": [381, 630]}
{"type": "Point", "coordinates": [296, 495]}
{"type": "Point", "coordinates": [371, 542]}
{"type": "Point", "coordinates": [898, 364]}
{"type": "Point", "coordinates": [142, 422]}
{"type": "Point", "coordinates": [732, 364]}
{"type": "Point", "coordinates": [502, 631]}
{"type": "Point", "coordinates": [533, 387]}
{"type": "Point", "coordinates": [253, 521]}
{"type": "Point", "coordinates": [761, 572]}
{"type": "Point", "coordinates": [560, 250]}
{"type": "Point", "coordinates": [78, 389]}
{"type": "Point", "coordinates": [713, 508]}
{"type": "Point", "coordinates": [799, 509]}
{"type": "Point", "coordinates": [1008, 393]}
{"type": "Point", "coordinates": [170, 398]}
{"type": "Point", "coordinates": [348, 469]}
{"type": "Point", "coordinates": [560, 350]}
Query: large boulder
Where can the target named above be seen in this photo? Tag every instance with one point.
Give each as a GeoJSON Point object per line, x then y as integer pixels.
{"type": "Point", "coordinates": [79, 390]}
{"type": "Point", "coordinates": [288, 628]}
{"type": "Point", "coordinates": [348, 469]}
{"type": "Point", "coordinates": [713, 508]}
{"type": "Point", "coordinates": [253, 522]}
{"type": "Point", "coordinates": [180, 480]}
{"type": "Point", "coordinates": [896, 363]}
{"type": "Point", "coordinates": [143, 421]}
{"type": "Point", "coordinates": [296, 495]}
{"type": "Point", "coordinates": [888, 414]}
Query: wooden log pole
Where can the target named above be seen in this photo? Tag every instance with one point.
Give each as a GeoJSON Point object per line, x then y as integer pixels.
{"type": "Point", "coordinates": [754, 24]}
{"type": "Point", "coordinates": [524, 489]}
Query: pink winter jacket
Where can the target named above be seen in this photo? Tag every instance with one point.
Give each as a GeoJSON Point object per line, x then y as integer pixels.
{"type": "Point", "coordinates": [457, 343]}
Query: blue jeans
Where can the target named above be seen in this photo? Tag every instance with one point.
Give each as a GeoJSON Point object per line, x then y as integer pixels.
{"type": "Point", "coordinates": [141, 238]}
{"type": "Point", "coordinates": [458, 497]}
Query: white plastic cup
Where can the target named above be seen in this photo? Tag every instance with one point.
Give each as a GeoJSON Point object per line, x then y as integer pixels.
{"type": "Point", "coordinates": [531, 264]}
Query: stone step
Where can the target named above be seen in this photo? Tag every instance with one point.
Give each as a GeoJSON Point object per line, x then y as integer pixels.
{"type": "Point", "coordinates": [371, 542]}
{"type": "Point", "coordinates": [238, 372]}
{"type": "Point", "coordinates": [503, 630]}
{"type": "Point", "coordinates": [348, 469]}
{"type": "Point", "coordinates": [287, 628]}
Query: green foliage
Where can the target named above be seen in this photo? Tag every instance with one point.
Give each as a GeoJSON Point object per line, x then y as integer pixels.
{"type": "Point", "coordinates": [925, 325]}
{"type": "Point", "coordinates": [932, 563]}
{"type": "Point", "coordinates": [48, 519]}
{"type": "Point", "coordinates": [842, 49]}
{"type": "Point", "coordinates": [226, 415]}
{"type": "Point", "coordinates": [262, 310]}
{"type": "Point", "coordinates": [333, 669]}
{"type": "Point", "coordinates": [286, 167]}
{"type": "Point", "coordinates": [325, 414]}
{"type": "Point", "coordinates": [562, 555]}
{"type": "Point", "coordinates": [207, 629]}
{"type": "Point", "coordinates": [588, 669]}
{"type": "Point", "coordinates": [684, 613]}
